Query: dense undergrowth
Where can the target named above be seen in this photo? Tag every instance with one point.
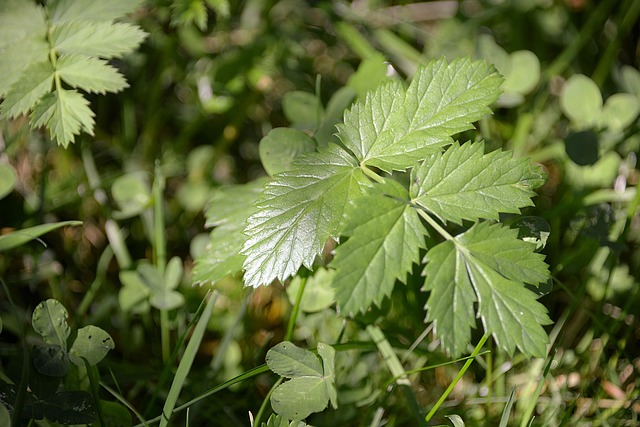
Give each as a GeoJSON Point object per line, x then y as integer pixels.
{"type": "Point", "coordinates": [162, 141]}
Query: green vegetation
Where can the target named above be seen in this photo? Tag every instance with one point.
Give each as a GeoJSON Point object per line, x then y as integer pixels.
{"type": "Point", "coordinates": [288, 213]}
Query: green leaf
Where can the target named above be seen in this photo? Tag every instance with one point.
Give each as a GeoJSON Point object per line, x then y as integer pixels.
{"type": "Point", "coordinates": [312, 384]}
{"type": "Point", "coordinates": [132, 194]}
{"type": "Point", "coordinates": [90, 74]}
{"type": "Point", "coordinates": [298, 212]}
{"type": "Point", "coordinates": [19, 55]}
{"type": "Point", "coordinates": [229, 209]}
{"type": "Point", "coordinates": [103, 39]}
{"type": "Point", "coordinates": [619, 111]}
{"type": "Point", "coordinates": [7, 179]}
{"type": "Point", "coordinates": [524, 73]}
{"type": "Point", "coordinates": [19, 18]}
{"type": "Point", "coordinates": [92, 343]}
{"type": "Point", "coordinates": [91, 10]}
{"type": "Point", "coordinates": [49, 319]}
{"type": "Point", "coordinates": [581, 101]}
{"type": "Point", "coordinates": [134, 294]}
{"type": "Point", "coordinates": [28, 90]}
{"type": "Point", "coordinates": [65, 113]}
{"type": "Point", "coordinates": [276, 420]}
{"type": "Point", "coordinates": [386, 236]}
{"type": "Point", "coordinates": [318, 293]}
{"type": "Point", "coordinates": [392, 129]}
{"type": "Point", "coordinates": [69, 407]}
{"type": "Point", "coordinates": [487, 264]}
{"type": "Point", "coordinates": [20, 237]}
{"type": "Point", "coordinates": [50, 360]}
{"type": "Point", "coordinates": [280, 146]}
{"type": "Point", "coordinates": [302, 109]}
{"type": "Point", "coordinates": [463, 183]}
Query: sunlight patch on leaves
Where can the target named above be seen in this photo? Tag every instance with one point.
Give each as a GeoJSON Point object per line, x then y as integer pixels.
{"type": "Point", "coordinates": [386, 236]}
{"type": "Point", "coordinates": [103, 39]}
{"type": "Point", "coordinates": [298, 212]}
{"type": "Point", "coordinates": [90, 74]}
{"type": "Point", "coordinates": [487, 264]}
{"type": "Point", "coordinates": [392, 129]}
{"type": "Point", "coordinates": [464, 183]}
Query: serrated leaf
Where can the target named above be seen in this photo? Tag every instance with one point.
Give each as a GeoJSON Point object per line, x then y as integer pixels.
{"type": "Point", "coordinates": [65, 113]}
{"type": "Point", "coordinates": [18, 18]}
{"type": "Point", "coordinates": [92, 343]}
{"type": "Point", "coordinates": [90, 74]}
{"type": "Point", "coordinates": [386, 237]}
{"type": "Point", "coordinates": [91, 10]}
{"type": "Point", "coordinates": [19, 55]}
{"type": "Point", "coordinates": [228, 210]}
{"type": "Point", "coordinates": [298, 212]}
{"type": "Point", "coordinates": [392, 129]}
{"type": "Point", "coordinates": [487, 264]}
{"type": "Point", "coordinates": [103, 39]}
{"type": "Point", "coordinates": [463, 183]}
{"type": "Point", "coordinates": [31, 87]}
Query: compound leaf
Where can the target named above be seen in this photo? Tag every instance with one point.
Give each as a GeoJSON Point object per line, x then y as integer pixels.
{"type": "Point", "coordinates": [386, 237]}
{"type": "Point", "coordinates": [487, 264]}
{"type": "Point", "coordinates": [65, 113]}
{"type": "Point", "coordinates": [49, 319]}
{"type": "Point", "coordinates": [393, 129]}
{"type": "Point", "coordinates": [103, 39]}
{"type": "Point", "coordinates": [92, 343]}
{"type": "Point", "coordinates": [90, 74]}
{"type": "Point", "coordinates": [18, 18]}
{"type": "Point", "coordinates": [463, 183]}
{"type": "Point", "coordinates": [298, 212]}
{"type": "Point", "coordinates": [19, 55]}
{"type": "Point", "coordinates": [27, 91]}
{"type": "Point", "coordinates": [291, 361]}
{"type": "Point", "coordinates": [91, 10]}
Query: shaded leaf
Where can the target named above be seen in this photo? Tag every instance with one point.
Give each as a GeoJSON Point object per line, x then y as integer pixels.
{"type": "Point", "coordinates": [49, 319]}
{"type": "Point", "coordinates": [385, 239]}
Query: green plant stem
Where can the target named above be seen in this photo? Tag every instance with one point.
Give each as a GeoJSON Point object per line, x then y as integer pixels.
{"type": "Point", "coordinates": [520, 133]}
{"type": "Point", "coordinates": [93, 382]}
{"type": "Point", "coordinates": [596, 19]}
{"type": "Point", "coordinates": [371, 174]}
{"type": "Point", "coordinates": [461, 373]}
{"type": "Point", "coordinates": [263, 408]}
{"type": "Point", "coordinates": [432, 222]}
{"type": "Point", "coordinates": [160, 254]}
{"type": "Point", "coordinates": [295, 311]}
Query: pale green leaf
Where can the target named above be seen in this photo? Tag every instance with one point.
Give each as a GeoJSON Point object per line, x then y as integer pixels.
{"type": "Point", "coordinates": [318, 292]}
{"type": "Point", "coordinates": [581, 101]}
{"type": "Point", "coordinates": [228, 211]}
{"type": "Point", "coordinates": [392, 129]}
{"type": "Point", "coordinates": [291, 361]}
{"type": "Point", "coordinates": [464, 183]}
{"type": "Point", "coordinates": [104, 39]}
{"type": "Point", "coordinates": [524, 74]}
{"type": "Point", "coordinates": [65, 113]}
{"type": "Point", "coordinates": [20, 18]}
{"type": "Point", "coordinates": [298, 212]}
{"type": "Point", "coordinates": [298, 398]}
{"type": "Point", "coordinates": [19, 55]}
{"type": "Point", "coordinates": [92, 343]}
{"type": "Point", "coordinates": [7, 179]}
{"type": "Point", "coordinates": [274, 420]}
{"type": "Point", "coordinates": [280, 146]}
{"type": "Point", "coordinates": [91, 10]}
{"type": "Point", "coordinates": [36, 82]}
{"type": "Point", "coordinates": [385, 239]}
{"type": "Point", "coordinates": [173, 273]}
{"type": "Point", "coordinates": [302, 109]}
{"type": "Point", "coordinates": [328, 354]}
{"type": "Point", "coordinates": [49, 319]}
{"type": "Point", "coordinates": [489, 266]}
{"type": "Point", "coordinates": [134, 294]}
{"type": "Point", "coordinates": [132, 194]}
{"type": "Point", "coordinates": [619, 111]}
{"type": "Point", "coordinates": [90, 74]}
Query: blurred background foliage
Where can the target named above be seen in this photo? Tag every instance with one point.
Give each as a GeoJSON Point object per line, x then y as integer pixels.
{"type": "Point", "coordinates": [214, 77]}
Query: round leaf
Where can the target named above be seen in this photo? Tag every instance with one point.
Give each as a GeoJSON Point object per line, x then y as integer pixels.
{"type": "Point", "coordinates": [581, 101]}
{"type": "Point", "coordinates": [300, 397]}
{"type": "Point", "coordinates": [131, 193]}
{"type": "Point", "coordinates": [173, 273]}
{"type": "Point", "coordinates": [302, 109]}
{"type": "Point", "coordinates": [620, 111]}
{"type": "Point", "coordinates": [50, 321]}
{"type": "Point", "coordinates": [7, 179]}
{"type": "Point", "coordinates": [50, 360]}
{"type": "Point", "coordinates": [92, 343]}
{"type": "Point", "coordinates": [280, 146]}
{"type": "Point", "coordinates": [318, 293]}
{"type": "Point", "coordinates": [524, 73]}
{"type": "Point", "coordinates": [289, 360]}
{"type": "Point", "coordinates": [166, 300]}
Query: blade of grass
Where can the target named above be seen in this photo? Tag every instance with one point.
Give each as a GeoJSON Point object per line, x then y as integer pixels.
{"type": "Point", "coordinates": [93, 382]}
{"type": "Point", "coordinates": [187, 360]}
{"type": "Point", "coordinates": [504, 420]}
{"type": "Point", "coordinates": [118, 396]}
{"type": "Point", "coordinates": [476, 352]}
